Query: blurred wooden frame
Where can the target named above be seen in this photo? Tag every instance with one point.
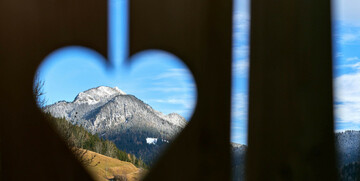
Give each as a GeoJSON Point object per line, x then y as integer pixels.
{"type": "Point", "coordinates": [290, 85]}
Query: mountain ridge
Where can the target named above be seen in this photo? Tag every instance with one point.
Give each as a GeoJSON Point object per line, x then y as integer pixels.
{"type": "Point", "coordinates": [120, 117]}
{"type": "Point", "coordinates": [101, 108]}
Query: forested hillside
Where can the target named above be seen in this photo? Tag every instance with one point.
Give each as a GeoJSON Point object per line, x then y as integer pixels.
{"type": "Point", "coordinates": [78, 138]}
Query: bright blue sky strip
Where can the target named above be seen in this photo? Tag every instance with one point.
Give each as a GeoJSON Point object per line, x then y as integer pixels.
{"type": "Point", "coordinates": [346, 41]}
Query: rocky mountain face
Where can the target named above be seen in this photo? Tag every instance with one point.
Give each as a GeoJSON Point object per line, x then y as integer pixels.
{"type": "Point", "coordinates": [238, 161]}
{"type": "Point", "coordinates": [122, 118]}
{"type": "Point", "coordinates": [348, 147]}
{"type": "Point", "coordinates": [348, 155]}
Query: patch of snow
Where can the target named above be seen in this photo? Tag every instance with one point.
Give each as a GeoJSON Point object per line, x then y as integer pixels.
{"type": "Point", "coordinates": [95, 95]}
{"type": "Point", "coordinates": [151, 141]}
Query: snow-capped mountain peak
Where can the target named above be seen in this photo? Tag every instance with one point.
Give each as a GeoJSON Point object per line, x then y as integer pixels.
{"type": "Point", "coordinates": [103, 108]}
{"type": "Point", "coordinates": [124, 119]}
{"type": "Point", "coordinates": [95, 95]}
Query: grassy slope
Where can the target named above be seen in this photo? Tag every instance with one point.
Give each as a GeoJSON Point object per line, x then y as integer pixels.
{"type": "Point", "coordinates": [114, 167]}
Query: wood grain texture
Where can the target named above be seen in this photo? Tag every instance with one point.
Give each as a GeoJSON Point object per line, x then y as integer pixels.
{"type": "Point", "coordinates": [199, 32]}
{"type": "Point", "coordinates": [30, 30]}
{"type": "Point", "coordinates": [291, 132]}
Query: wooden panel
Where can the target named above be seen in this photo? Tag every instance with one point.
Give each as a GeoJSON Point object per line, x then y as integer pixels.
{"type": "Point", "coordinates": [199, 32]}
{"type": "Point", "coordinates": [31, 29]}
{"type": "Point", "coordinates": [291, 128]}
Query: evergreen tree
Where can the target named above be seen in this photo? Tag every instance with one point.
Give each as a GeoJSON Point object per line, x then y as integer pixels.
{"type": "Point", "coordinates": [80, 141]}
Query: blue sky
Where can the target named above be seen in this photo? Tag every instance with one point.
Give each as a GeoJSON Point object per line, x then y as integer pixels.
{"type": "Point", "coordinates": [164, 82]}
{"type": "Point", "coordinates": [241, 22]}
{"type": "Point", "coordinates": [157, 77]}
{"type": "Point", "coordinates": [346, 41]}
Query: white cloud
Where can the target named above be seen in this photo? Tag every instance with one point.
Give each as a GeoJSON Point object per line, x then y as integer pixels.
{"type": "Point", "coordinates": [239, 106]}
{"type": "Point", "coordinates": [174, 73]}
{"type": "Point", "coordinates": [169, 86]}
{"type": "Point", "coordinates": [241, 20]}
{"type": "Point", "coordinates": [239, 117]}
{"type": "Point", "coordinates": [347, 11]}
{"type": "Point", "coordinates": [339, 54]}
{"type": "Point", "coordinates": [241, 51]}
{"type": "Point", "coordinates": [347, 86]}
{"type": "Point", "coordinates": [349, 37]}
{"type": "Point", "coordinates": [170, 89]}
{"type": "Point", "coordinates": [173, 80]}
{"type": "Point", "coordinates": [241, 6]}
{"type": "Point", "coordinates": [347, 98]}
{"type": "Point", "coordinates": [240, 68]}
{"type": "Point", "coordinates": [188, 102]}
{"type": "Point", "coordinates": [348, 112]}
{"type": "Point", "coordinates": [183, 105]}
{"type": "Point", "coordinates": [170, 101]}
{"type": "Point", "coordinates": [355, 66]}
{"type": "Point", "coordinates": [353, 58]}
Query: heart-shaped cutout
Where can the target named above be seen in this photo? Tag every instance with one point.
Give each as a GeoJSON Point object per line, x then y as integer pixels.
{"type": "Point", "coordinates": [156, 77]}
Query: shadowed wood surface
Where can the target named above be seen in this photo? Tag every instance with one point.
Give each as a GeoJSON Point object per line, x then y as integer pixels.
{"type": "Point", "coordinates": [290, 108]}
{"type": "Point", "coordinates": [199, 32]}
{"type": "Point", "coordinates": [30, 30]}
{"type": "Point", "coordinates": [291, 130]}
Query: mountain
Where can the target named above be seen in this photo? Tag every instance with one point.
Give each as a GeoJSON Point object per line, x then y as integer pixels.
{"type": "Point", "coordinates": [122, 118]}
{"type": "Point", "coordinates": [238, 161]}
{"type": "Point", "coordinates": [348, 145]}
{"type": "Point", "coordinates": [348, 153]}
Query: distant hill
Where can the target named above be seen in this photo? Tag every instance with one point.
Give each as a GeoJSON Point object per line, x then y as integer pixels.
{"type": "Point", "coordinates": [348, 145]}
{"type": "Point", "coordinates": [348, 152]}
{"type": "Point", "coordinates": [238, 161]}
{"type": "Point", "coordinates": [109, 167]}
{"type": "Point", "coordinates": [131, 124]}
{"type": "Point", "coordinates": [78, 139]}
{"type": "Point", "coordinates": [348, 155]}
